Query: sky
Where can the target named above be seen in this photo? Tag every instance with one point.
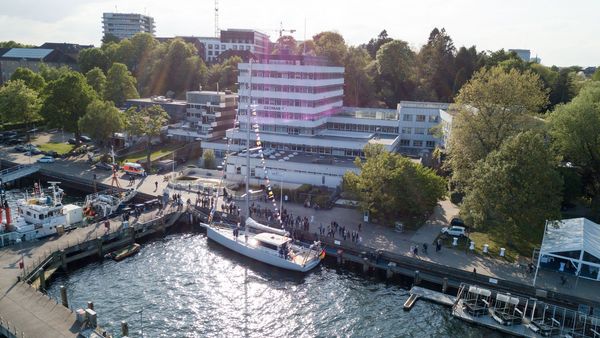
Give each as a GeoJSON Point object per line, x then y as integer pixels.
{"type": "Point", "coordinates": [561, 33]}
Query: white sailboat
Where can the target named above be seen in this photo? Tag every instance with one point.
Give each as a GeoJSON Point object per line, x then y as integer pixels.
{"type": "Point", "coordinates": [261, 242]}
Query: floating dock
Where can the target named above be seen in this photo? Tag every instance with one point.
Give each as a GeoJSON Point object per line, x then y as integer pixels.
{"type": "Point", "coordinates": [433, 296]}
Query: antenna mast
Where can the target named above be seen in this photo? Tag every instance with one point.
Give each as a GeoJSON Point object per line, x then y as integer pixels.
{"type": "Point", "coordinates": [216, 18]}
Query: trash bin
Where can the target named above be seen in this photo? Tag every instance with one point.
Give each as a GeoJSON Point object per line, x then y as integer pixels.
{"type": "Point", "coordinates": [502, 252]}
{"type": "Point", "coordinates": [472, 246]}
{"type": "Point", "coordinates": [485, 248]}
{"type": "Point", "coordinates": [454, 241]}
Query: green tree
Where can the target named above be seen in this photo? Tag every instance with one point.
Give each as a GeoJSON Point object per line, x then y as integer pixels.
{"type": "Point", "coordinates": [108, 38]}
{"type": "Point", "coordinates": [596, 75]}
{"type": "Point", "coordinates": [101, 120]}
{"type": "Point", "coordinates": [120, 85]}
{"type": "Point", "coordinates": [515, 189]}
{"type": "Point", "coordinates": [466, 62]}
{"type": "Point", "coordinates": [374, 44]}
{"type": "Point", "coordinates": [493, 106]}
{"type": "Point", "coordinates": [285, 42]}
{"type": "Point", "coordinates": [359, 88]}
{"type": "Point", "coordinates": [146, 123]}
{"type": "Point", "coordinates": [208, 156]}
{"type": "Point", "coordinates": [225, 74]}
{"type": "Point", "coordinates": [574, 129]}
{"type": "Point", "coordinates": [330, 45]}
{"type": "Point", "coordinates": [19, 103]}
{"type": "Point", "coordinates": [96, 78]}
{"type": "Point", "coordinates": [53, 73]}
{"type": "Point", "coordinates": [395, 65]}
{"type": "Point", "coordinates": [13, 44]}
{"type": "Point", "coordinates": [436, 72]}
{"type": "Point", "coordinates": [391, 186]}
{"type": "Point", "coordinates": [66, 101]}
{"type": "Point", "coordinates": [33, 80]}
{"type": "Point", "coordinates": [91, 58]}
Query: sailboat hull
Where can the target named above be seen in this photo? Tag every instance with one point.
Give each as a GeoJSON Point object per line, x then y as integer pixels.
{"type": "Point", "coordinates": [240, 246]}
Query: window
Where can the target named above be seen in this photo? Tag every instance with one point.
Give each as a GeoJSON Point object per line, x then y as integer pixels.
{"type": "Point", "coordinates": [406, 130]}
{"type": "Point", "coordinates": [234, 47]}
{"type": "Point", "coordinates": [433, 118]}
{"type": "Point", "coordinates": [420, 118]}
{"type": "Point", "coordinates": [404, 143]}
{"type": "Point", "coordinates": [223, 47]}
{"type": "Point", "coordinates": [407, 117]}
{"type": "Point", "coordinates": [417, 143]}
{"type": "Point", "coordinates": [430, 144]}
{"type": "Point", "coordinates": [210, 46]}
{"type": "Point", "coordinates": [420, 131]}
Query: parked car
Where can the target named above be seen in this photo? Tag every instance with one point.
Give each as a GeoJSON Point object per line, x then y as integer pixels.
{"type": "Point", "coordinates": [457, 222]}
{"type": "Point", "coordinates": [46, 159]}
{"type": "Point", "coordinates": [456, 231]}
{"type": "Point", "coordinates": [85, 139]}
{"type": "Point", "coordinates": [33, 150]}
{"type": "Point", "coordinates": [104, 165]}
{"type": "Point", "coordinates": [71, 141]}
{"type": "Point", "coordinates": [13, 141]}
{"type": "Point", "coordinates": [20, 149]}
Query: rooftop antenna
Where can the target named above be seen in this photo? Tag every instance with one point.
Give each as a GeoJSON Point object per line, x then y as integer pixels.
{"type": "Point", "coordinates": [216, 18]}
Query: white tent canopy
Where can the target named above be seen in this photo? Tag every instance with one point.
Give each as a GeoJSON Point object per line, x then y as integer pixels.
{"type": "Point", "coordinates": [576, 240]}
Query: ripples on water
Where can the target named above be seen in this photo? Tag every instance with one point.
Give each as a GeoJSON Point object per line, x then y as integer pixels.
{"type": "Point", "coordinates": [189, 287]}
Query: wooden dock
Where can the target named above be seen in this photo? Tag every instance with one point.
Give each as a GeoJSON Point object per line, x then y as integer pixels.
{"type": "Point", "coordinates": [433, 296]}
{"type": "Point", "coordinates": [26, 312]}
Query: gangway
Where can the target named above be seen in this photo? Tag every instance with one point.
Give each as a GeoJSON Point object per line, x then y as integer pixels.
{"type": "Point", "coordinates": [19, 171]}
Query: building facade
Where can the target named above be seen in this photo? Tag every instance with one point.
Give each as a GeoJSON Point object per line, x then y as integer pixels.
{"type": "Point", "coordinates": [419, 126]}
{"type": "Point", "coordinates": [126, 25]}
{"type": "Point", "coordinates": [175, 108]}
{"type": "Point", "coordinates": [235, 40]}
{"type": "Point", "coordinates": [209, 115]}
{"type": "Point", "coordinates": [31, 58]}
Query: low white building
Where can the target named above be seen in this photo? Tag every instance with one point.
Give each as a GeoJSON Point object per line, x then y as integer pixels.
{"type": "Point", "coordinates": [418, 122]}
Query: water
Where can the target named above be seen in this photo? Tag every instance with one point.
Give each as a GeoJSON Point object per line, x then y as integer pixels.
{"type": "Point", "coordinates": [189, 287]}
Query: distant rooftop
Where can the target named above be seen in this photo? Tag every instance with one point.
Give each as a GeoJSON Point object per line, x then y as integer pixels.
{"type": "Point", "coordinates": [27, 53]}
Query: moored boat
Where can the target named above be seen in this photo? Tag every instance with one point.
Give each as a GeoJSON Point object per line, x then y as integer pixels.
{"type": "Point", "coordinates": [125, 252]}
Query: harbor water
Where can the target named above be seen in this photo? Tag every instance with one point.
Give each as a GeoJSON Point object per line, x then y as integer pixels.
{"type": "Point", "coordinates": [185, 286]}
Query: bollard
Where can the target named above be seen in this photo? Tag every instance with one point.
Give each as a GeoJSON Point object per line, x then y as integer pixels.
{"type": "Point", "coordinates": [90, 305]}
{"type": "Point", "coordinates": [63, 260]}
{"type": "Point", "coordinates": [365, 265]}
{"type": "Point", "coordinates": [340, 259]}
{"type": "Point", "coordinates": [445, 285]}
{"type": "Point", "coordinates": [417, 277]}
{"type": "Point", "coordinates": [99, 246]}
{"type": "Point", "coordinates": [42, 277]}
{"type": "Point", "coordinates": [63, 296]}
{"type": "Point", "coordinates": [124, 329]}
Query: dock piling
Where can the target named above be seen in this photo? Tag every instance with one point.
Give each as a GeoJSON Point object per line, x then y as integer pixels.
{"type": "Point", "coordinates": [90, 305]}
{"type": "Point", "coordinates": [417, 277]}
{"type": "Point", "coordinates": [42, 277]}
{"type": "Point", "coordinates": [63, 296]}
{"type": "Point", "coordinates": [365, 266]}
{"type": "Point", "coordinates": [124, 329]}
{"type": "Point", "coordinates": [99, 246]}
{"type": "Point", "coordinates": [340, 257]}
{"type": "Point", "coordinates": [63, 260]}
{"type": "Point", "coordinates": [445, 285]}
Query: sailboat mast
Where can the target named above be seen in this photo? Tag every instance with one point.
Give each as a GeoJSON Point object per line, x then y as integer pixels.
{"type": "Point", "coordinates": [248, 122]}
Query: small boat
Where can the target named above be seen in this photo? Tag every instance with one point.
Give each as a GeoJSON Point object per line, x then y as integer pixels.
{"type": "Point", "coordinates": [124, 252]}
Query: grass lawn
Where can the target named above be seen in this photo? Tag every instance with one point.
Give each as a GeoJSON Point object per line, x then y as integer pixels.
{"type": "Point", "coordinates": [141, 155]}
{"type": "Point", "coordinates": [481, 238]}
{"type": "Point", "coordinates": [60, 148]}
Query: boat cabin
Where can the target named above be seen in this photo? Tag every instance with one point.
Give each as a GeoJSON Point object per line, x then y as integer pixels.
{"type": "Point", "coordinates": [271, 241]}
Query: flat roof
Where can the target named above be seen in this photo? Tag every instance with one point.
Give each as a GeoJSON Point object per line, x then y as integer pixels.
{"type": "Point", "coordinates": [150, 100]}
{"type": "Point", "coordinates": [27, 53]}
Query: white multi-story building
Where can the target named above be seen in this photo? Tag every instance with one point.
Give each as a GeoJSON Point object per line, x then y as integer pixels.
{"type": "Point", "coordinates": [126, 25]}
{"type": "Point", "coordinates": [418, 126]}
{"type": "Point", "coordinates": [234, 40]}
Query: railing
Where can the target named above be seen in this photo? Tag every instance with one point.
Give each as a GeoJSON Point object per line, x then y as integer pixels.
{"type": "Point", "coordinates": [19, 167]}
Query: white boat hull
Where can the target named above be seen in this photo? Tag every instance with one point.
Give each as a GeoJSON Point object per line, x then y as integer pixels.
{"type": "Point", "coordinates": [240, 246]}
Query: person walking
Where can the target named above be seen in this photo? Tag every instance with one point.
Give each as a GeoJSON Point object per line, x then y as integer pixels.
{"type": "Point", "coordinates": [155, 186]}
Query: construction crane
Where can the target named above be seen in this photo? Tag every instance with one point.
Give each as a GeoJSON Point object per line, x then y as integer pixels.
{"type": "Point", "coordinates": [281, 30]}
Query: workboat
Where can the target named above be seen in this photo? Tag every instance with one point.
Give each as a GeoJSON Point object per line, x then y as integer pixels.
{"type": "Point", "coordinates": [258, 241]}
{"type": "Point", "coordinates": [107, 203]}
{"type": "Point", "coordinates": [124, 252]}
{"type": "Point", "coordinates": [39, 215]}
{"type": "Point", "coordinates": [268, 245]}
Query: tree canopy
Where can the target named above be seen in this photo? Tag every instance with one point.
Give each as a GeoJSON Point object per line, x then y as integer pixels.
{"type": "Point", "coordinates": [19, 103]}
{"type": "Point", "coordinates": [101, 120]}
{"type": "Point", "coordinates": [33, 80]}
{"type": "Point", "coordinates": [515, 189]}
{"type": "Point", "coordinates": [574, 129]}
{"type": "Point", "coordinates": [120, 85]}
{"type": "Point", "coordinates": [392, 187]}
{"type": "Point", "coordinates": [97, 80]}
{"type": "Point", "coordinates": [146, 122]}
{"type": "Point", "coordinates": [66, 101]}
{"type": "Point", "coordinates": [494, 105]}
